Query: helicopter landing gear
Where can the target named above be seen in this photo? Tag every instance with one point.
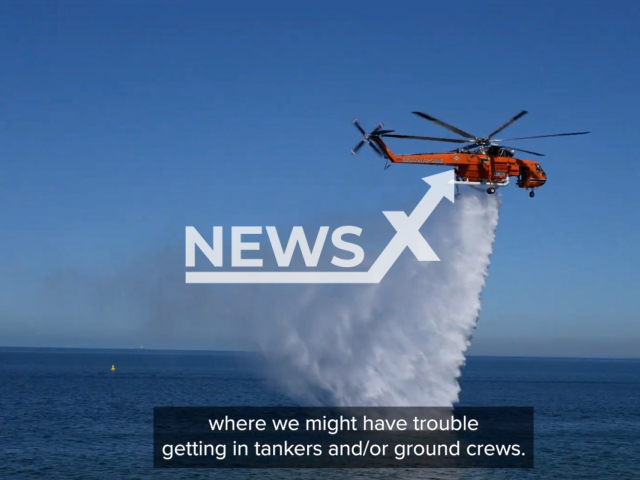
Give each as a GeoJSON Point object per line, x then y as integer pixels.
{"type": "Point", "coordinates": [491, 190]}
{"type": "Point", "coordinates": [532, 194]}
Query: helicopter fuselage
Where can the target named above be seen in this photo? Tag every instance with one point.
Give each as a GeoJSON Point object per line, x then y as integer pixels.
{"type": "Point", "coordinates": [477, 167]}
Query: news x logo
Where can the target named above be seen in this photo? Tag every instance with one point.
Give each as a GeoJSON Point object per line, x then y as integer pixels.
{"type": "Point", "coordinates": [407, 235]}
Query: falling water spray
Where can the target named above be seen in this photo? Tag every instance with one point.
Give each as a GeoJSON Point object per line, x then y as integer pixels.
{"type": "Point", "coordinates": [398, 343]}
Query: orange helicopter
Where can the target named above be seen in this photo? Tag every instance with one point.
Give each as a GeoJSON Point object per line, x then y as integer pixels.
{"type": "Point", "coordinates": [481, 162]}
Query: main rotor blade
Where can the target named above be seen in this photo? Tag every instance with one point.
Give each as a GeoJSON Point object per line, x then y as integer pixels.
{"type": "Point", "coordinates": [513, 119]}
{"type": "Point", "coordinates": [445, 125]}
{"type": "Point", "coordinates": [543, 136]}
{"type": "Point", "coordinates": [525, 151]}
{"type": "Point", "coordinates": [358, 147]}
{"type": "Point", "coordinates": [355, 122]}
{"type": "Point", "coordinates": [435, 139]}
{"type": "Point", "coordinates": [377, 129]}
{"type": "Point", "coordinates": [465, 147]}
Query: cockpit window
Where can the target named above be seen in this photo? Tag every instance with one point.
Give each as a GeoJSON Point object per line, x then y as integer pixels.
{"type": "Point", "coordinates": [538, 169]}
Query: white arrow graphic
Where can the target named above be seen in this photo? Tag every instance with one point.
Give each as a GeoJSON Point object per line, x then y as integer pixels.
{"type": "Point", "coordinates": [407, 235]}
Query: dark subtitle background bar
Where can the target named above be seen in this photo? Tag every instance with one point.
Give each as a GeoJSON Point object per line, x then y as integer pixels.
{"type": "Point", "coordinates": [346, 437]}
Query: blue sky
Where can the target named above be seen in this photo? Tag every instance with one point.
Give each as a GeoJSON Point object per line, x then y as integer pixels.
{"type": "Point", "coordinates": [122, 124]}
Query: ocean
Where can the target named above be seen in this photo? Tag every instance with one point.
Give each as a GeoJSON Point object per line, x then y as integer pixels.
{"type": "Point", "coordinates": [65, 415]}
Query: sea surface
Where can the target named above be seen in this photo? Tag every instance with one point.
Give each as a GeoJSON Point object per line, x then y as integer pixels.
{"type": "Point", "coordinates": [65, 415]}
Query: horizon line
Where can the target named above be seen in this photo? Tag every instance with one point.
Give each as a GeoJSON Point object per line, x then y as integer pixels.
{"type": "Point", "coordinates": [177, 350]}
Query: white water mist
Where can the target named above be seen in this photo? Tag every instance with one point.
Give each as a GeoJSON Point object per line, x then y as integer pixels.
{"type": "Point", "coordinates": [399, 343]}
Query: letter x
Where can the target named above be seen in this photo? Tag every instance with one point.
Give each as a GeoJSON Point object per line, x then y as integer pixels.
{"type": "Point", "coordinates": [408, 233]}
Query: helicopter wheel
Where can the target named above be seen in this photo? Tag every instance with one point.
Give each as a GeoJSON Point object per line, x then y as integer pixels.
{"type": "Point", "coordinates": [532, 194]}
{"type": "Point", "coordinates": [491, 190]}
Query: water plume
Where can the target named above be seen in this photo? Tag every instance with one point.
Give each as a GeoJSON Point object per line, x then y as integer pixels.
{"type": "Point", "coordinates": [398, 343]}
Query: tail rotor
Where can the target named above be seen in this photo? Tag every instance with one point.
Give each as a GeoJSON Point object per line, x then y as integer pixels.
{"type": "Point", "coordinates": [366, 138]}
